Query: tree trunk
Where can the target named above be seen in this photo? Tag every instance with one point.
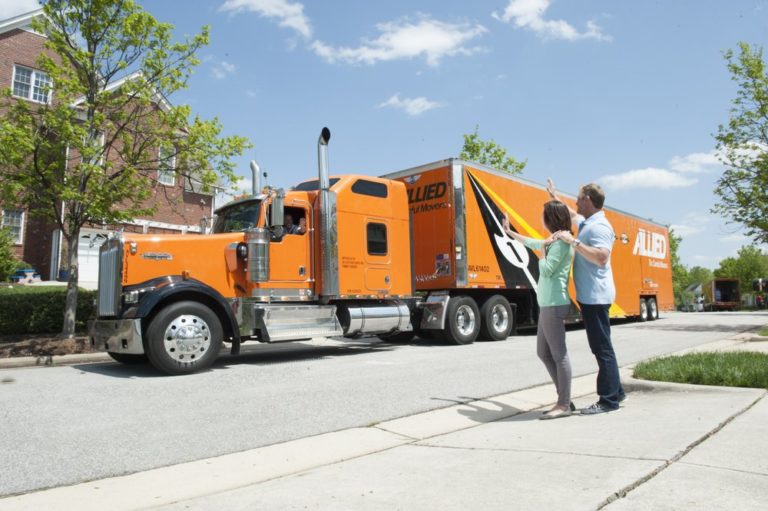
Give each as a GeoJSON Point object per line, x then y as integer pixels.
{"type": "Point", "coordinates": [70, 305]}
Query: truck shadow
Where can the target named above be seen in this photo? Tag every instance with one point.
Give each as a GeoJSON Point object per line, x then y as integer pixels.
{"type": "Point", "coordinates": [263, 355]}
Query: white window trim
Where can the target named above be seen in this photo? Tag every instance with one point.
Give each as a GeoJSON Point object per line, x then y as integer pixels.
{"type": "Point", "coordinates": [31, 85]}
{"type": "Point", "coordinates": [171, 169]}
{"type": "Point", "coordinates": [21, 226]}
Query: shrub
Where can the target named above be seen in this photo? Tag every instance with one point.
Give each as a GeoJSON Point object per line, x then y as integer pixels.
{"type": "Point", "coordinates": [40, 309]}
{"type": "Point", "coordinates": [7, 259]}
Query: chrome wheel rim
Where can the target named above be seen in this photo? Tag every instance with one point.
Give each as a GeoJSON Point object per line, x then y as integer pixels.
{"type": "Point", "coordinates": [187, 338]}
{"type": "Point", "coordinates": [499, 318]}
{"type": "Point", "coordinates": [643, 310]}
{"type": "Point", "coordinates": [465, 320]}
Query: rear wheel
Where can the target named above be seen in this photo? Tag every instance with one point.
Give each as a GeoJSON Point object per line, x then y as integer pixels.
{"type": "Point", "coordinates": [128, 358]}
{"type": "Point", "coordinates": [653, 309]}
{"type": "Point", "coordinates": [462, 321]}
{"type": "Point", "coordinates": [184, 337]}
{"type": "Point", "coordinates": [643, 310]}
{"type": "Point", "coordinates": [496, 319]}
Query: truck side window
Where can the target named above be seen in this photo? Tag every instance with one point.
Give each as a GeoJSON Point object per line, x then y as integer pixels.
{"type": "Point", "coordinates": [377, 239]}
{"type": "Point", "coordinates": [372, 188]}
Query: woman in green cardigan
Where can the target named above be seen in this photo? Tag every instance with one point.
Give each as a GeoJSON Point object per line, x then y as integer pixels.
{"type": "Point", "coordinates": [554, 302]}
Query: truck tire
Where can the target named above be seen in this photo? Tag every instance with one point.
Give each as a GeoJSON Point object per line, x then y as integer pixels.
{"type": "Point", "coordinates": [462, 321]}
{"type": "Point", "coordinates": [653, 309]}
{"type": "Point", "coordinates": [496, 318]}
{"type": "Point", "coordinates": [184, 337]}
{"type": "Point", "coordinates": [643, 310]}
{"type": "Point", "coordinates": [128, 359]}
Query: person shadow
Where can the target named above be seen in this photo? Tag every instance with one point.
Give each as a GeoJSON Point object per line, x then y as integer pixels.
{"type": "Point", "coordinates": [484, 410]}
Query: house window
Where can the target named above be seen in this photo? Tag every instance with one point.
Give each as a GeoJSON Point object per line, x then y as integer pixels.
{"type": "Point", "coordinates": [13, 220]}
{"type": "Point", "coordinates": [31, 84]}
{"type": "Point", "coordinates": [377, 239]}
{"type": "Point", "coordinates": [166, 166]}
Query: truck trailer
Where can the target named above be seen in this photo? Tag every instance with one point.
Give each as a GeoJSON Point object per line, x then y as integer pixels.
{"type": "Point", "coordinates": [415, 252]}
{"type": "Point", "coordinates": [722, 294]}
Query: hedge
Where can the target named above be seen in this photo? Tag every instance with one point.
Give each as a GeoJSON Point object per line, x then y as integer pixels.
{"type": "Point", "coordinates": [40, 309]}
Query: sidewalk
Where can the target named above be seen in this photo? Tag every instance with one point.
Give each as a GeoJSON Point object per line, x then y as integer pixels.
{"type": "Point", "coordinates": [671, 447]}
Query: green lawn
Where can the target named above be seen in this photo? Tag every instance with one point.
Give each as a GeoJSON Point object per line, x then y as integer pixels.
{"type": "Point", "coordinates": [763, 331]}
{"type": "Point", "coordinates": [729, 369]}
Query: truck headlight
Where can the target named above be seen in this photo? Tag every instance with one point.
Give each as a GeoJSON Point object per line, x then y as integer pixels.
{"type": "Point", "coordinates": [131, 297]}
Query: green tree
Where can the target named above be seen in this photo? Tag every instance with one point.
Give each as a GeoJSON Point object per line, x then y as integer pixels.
{"type": "Point", "coordinates": [7, 259]}
{"type": "Point", "coordinates": [679, 271]}
{"type": "Point", "coordinates": [743, 145]}
{"type": "Point", "coordinates": [751, 263]}
{"type": "Point", "coordinates": [699, 275]}
{"type": "Point", "coordinates": [489, 153]}
{"type": "Point", "coordinates": [92, 154]}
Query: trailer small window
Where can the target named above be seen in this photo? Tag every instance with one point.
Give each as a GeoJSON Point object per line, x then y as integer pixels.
{"type": "Point", "coordinates": [377, 239]}
{"type": "Point", "coordinates": [372, 188]}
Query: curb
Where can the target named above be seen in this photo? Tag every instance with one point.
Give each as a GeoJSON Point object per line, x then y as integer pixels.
{"type": "Point", "coordinates": [54, 360]}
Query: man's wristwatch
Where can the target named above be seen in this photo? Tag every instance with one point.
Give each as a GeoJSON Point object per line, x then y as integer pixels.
{"type": "Point", "coordinates": [576, 242]}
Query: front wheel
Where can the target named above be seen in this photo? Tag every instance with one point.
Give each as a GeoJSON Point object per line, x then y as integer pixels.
{"type": "Point", "coordinates": [184, 337]}
{"type": "Point", "coordinates": [462, 321]}
{"type": "Point", "coordinates": [497, 319]}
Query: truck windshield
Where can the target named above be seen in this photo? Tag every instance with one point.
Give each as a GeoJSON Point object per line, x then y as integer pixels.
{"type": "Point", "coordinates": [238, 217]}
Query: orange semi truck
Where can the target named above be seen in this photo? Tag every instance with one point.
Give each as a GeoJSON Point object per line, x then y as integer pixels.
{"type": "Point", "coordinates": [417, 252]}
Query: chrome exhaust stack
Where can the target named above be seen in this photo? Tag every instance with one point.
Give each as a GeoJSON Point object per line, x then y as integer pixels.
{"type": "Point", "coordinates": [256, 184]}
{"type": "Point", "coordinates": [329, 261]}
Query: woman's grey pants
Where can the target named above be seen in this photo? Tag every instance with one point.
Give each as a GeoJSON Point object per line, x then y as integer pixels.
{"type": "Point", "coordinates": [550, 346]}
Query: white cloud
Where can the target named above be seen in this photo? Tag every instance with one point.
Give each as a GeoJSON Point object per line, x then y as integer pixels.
{"type": "Point", "coordinates": [11, 8]}
{"type": "Point", "coordinates": [223, 69]}
{"type": "Point", "coordinates": [735, 238]}
{"type": "Point", "coordinates": [695, 162]}
{"type": "Point", "coordinates": [530, 14]}
{"type": "Point", "coordinates": [407, 39]}
{"type": "Point", "coordinates": [289, 14]}
{"type": "Point", "coordinates": [693, 223]}
{"type": "Point", "coordinates": [679, 173]}
{"type": "Point", "coordinates": [647, 178]}
{"type": "Point", "coordinates": [412, 106]}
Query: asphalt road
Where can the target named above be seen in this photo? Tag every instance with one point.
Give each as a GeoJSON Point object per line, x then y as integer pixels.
{"type": "Point", "coordinates": [64, 425]}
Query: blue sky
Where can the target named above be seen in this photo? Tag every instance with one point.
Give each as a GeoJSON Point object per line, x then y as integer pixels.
{"type": "Point", "coordinates": [628, 94]}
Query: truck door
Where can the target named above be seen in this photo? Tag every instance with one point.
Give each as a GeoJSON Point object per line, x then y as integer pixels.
{"type": "Point", "coordinates": [378, 259]}
{"type": "Point", "coordinates": [289, 256]}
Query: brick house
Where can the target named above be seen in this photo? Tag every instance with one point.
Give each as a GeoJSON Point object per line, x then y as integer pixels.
{"type": "Point", "coordinates": [181, 206]}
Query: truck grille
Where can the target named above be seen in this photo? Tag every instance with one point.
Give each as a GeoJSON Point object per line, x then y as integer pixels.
{"type": "Point", "coordinates": [110, 277]}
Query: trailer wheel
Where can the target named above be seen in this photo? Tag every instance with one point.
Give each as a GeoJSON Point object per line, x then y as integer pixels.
{"type": "Point", "coordinates": [496, 319]}
{"type": "Point", "coordinates": [653, 309]}
{"type": "Point", "coordinates": [643, 310]}
{"type": "Point", "coordinates": [128, 359]}
{"type": "Point", "coordinates": [184, 337]}
{"type": "Point", "coordinates": [462, 321]}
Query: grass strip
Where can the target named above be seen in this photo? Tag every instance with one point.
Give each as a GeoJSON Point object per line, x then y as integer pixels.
{"type": "Point", "coordinates": [725, 369]}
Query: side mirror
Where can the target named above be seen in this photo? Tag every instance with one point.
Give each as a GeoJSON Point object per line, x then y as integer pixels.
{"type": "Point", "coordinates": [277, 211]}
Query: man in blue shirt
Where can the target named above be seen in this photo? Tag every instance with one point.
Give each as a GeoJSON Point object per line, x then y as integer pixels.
{"type": "Point", "coordinates": [595, 290]}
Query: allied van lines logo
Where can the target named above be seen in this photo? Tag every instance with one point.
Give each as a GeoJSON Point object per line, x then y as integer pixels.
{"type": "Point", "coordinates": [512, 250]}
{"type": "Point", "coordinates": [650, 244]}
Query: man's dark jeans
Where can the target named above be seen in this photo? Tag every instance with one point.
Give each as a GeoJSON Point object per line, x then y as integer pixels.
{"type": "Point", "coordinates": [598, 326]}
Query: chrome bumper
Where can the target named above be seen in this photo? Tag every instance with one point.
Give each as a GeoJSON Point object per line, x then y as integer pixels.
{"type": "Point", "coordinates": [116, 335]}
